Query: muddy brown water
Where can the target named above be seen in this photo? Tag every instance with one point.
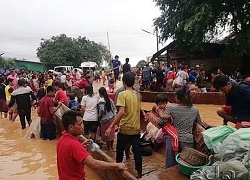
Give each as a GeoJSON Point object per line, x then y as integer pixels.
{"type": "Point", "coordinates": [30, 159]}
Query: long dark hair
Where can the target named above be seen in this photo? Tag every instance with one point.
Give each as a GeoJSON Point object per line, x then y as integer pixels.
{"type": "Point", "coordinates": [103, 93]}
{"type": "Point", "coordinates": [89, 90]}
{"type": "Point", "coordinates": [183, 95]}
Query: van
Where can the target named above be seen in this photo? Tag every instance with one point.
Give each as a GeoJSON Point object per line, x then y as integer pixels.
{"type": "Point", "coordinates": [64, 68]}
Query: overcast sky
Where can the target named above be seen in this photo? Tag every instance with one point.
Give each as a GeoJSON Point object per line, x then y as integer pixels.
{"type": "Point", "coordinates": [24, 23]}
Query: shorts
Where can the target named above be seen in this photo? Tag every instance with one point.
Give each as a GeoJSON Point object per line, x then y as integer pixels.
{"type": "Point", "coordinates": [227, 110]}
{"type": "Point", "coordinates": [90, 126]}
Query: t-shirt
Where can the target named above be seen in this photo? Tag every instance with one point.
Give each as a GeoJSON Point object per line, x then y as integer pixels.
{"type": "Point", "coordinates": [116, 63]}
{"type": "Point", "coordinates": [146, 73]}
{"type": "Point", "coordinates": [7, 93]}
{"type": "Point", "coordinates": [90, 104]}
{"type": "Point", "coordinates": [183, 120]}
{"type": "Point", "coordinates": [181, 78]}
{"type": "Point", "coordinates": [61, 96]}
{"type": "Point", "coordinates": [45, 104]}
{"type": "Point", "coordinates": [70, 155]}
{"type": "Point", "coordinates": [126, 68]}
{"type": "Point", "coordinates": [130, 122]}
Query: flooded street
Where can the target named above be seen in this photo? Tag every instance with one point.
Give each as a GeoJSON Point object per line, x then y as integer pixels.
{"type": "Point", "coordinates": [28, 159]}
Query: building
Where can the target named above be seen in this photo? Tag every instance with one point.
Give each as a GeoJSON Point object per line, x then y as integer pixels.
{"type": "Point", "coordinates": [29, 65]}
{"type": "Point", "coordinates": [210, 58]}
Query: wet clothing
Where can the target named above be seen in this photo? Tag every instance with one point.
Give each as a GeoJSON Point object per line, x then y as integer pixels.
{"type": "Point", "coordinates": [23, 96]}
{"type": "Point", "coordinates": [48, 131]}
{"type": "Point", "coordinates": [70, 157]}
{"type": "Point", "coordinates": [3, 105]}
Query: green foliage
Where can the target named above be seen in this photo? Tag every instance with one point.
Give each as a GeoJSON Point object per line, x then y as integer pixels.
{"type": "Point", "coordinates": [193, 22]}
{"type": "Point", "coordinates": [7, 63]}
{"type": "Point", "coordinates": [141, 63]}
{"type": "Point", "coordinates": [63, 50]}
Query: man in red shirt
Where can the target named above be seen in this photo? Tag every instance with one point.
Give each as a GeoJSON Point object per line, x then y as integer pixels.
{"type": "Point", "coordinates": [60, 94]}
{"type": "Point", "coordinates": [71, 154]}
{"type": "Point", "coordinates": [46, 110]}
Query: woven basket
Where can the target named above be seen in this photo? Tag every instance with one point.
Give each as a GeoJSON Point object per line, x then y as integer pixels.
{"type": "Point", "coordinates": [193, 157]}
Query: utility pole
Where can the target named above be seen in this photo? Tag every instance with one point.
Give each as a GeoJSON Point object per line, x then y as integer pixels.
{"type": "Point", "coordinates": [110, 60]}
{"type": "Point", "coordinates": [157, 37]}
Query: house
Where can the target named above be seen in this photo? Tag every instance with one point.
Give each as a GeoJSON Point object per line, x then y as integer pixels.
{"type": "Point", "coordinates": [210, 58]}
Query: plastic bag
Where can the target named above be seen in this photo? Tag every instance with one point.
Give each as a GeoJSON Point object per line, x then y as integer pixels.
{"type": "Point", "coordinates": [34, 130]}
{"type": "Point", "coordinates": [233, 145]}
{"type": "Point", "coordinates": [216, 135]}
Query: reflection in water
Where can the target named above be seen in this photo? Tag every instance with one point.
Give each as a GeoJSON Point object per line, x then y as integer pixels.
{"type": "Point", "coordinates": [36, 159]}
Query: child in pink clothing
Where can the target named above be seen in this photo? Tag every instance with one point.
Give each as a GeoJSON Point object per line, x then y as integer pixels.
{"type": "Point", "coordinates": [165, 121]}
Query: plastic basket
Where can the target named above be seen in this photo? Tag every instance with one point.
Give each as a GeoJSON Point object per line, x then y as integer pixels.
{"type": "Point", "coordinates": [188, 169]}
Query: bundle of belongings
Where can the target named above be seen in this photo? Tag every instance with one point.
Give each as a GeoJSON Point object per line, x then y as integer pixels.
{"type": "Point", "coordinates": [35, 127]}
{"type": "Point", "coordinates": [231, 148]}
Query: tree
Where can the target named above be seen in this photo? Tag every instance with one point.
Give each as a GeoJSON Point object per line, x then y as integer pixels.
{"type": "Point", "coordinates": [141, 63]}
{"type": "Point", "coordinates": [191, 22]}
{"type": "Point", "coordinates": [7, 63]}
{"type": "Point", "coordinates": [63, 50]}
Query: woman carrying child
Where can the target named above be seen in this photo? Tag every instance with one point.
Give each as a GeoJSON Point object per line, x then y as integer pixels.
{"type": "Point", "coordinates": [106, 114]}
{"type": "Point", "coordinates": [184, 116]}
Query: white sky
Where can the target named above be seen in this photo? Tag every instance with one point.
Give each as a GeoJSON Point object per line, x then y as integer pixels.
{"type": "Point", "coordinates": [24, 23]}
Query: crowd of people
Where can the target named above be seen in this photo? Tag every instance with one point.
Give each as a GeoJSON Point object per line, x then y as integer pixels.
{"type": "Point", "coordinates": [92, 112]}
{"type": "Point", "coordinates": [167, 77]}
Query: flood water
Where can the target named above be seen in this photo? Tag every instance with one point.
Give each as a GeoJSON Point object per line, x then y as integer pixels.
{"type": "Point", "coordinates": [29, 159]}
{"type": "Point", "coordinates": [36, 159]}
